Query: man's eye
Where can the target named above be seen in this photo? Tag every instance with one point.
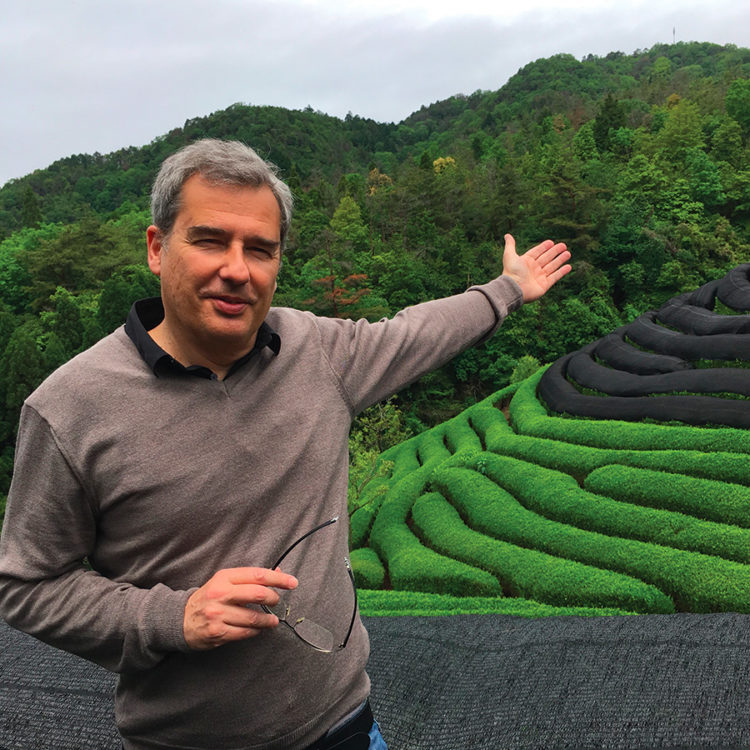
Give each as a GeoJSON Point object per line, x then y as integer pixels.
{"type": "Point", "coordinates": [263, 252]}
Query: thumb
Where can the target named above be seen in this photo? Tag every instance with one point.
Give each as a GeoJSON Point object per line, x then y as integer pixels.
{"type": "Point", "coordinates": [509, 253]}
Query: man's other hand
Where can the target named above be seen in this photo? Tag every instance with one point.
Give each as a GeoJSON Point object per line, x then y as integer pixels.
{"type": "Point", "coordinates": [218, 611]}
{"type": "Point", "coordinates": [536, 270]}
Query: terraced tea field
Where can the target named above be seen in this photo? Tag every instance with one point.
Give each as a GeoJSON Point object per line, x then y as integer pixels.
{"type": "Point", "coordinates": [515, 506]}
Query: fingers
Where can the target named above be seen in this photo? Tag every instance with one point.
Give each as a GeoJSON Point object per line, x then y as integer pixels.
{"type": "Point", "coordinates": [553, 259]}
{"type": "Point", "coordinates": [553, 250]}
{"type": "Point", "coordinates": [233, 624]}
{"type": "Point", "coordinates": [543, 253]}
{"type": "Point", "coordinates": [259, 576]}
{"type": "Point", "coordinates": [558, 274]}
{"type": "Point", "coordinates": [222, 609]}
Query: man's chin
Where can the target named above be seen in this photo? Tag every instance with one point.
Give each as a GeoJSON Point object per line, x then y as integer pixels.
{"type": "Point", "coordinates": [229, 331]}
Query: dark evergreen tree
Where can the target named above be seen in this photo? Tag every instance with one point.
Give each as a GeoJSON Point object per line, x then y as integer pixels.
{"type": "Point", "coordinates": [610, 117]}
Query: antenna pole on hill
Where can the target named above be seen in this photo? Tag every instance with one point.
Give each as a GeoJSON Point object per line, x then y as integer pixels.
{"type": "Point", "coordinates": [674, 31]}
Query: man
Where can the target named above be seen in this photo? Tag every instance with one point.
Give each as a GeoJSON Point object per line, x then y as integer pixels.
{"type": "Point", "coordinates": [161, 473]}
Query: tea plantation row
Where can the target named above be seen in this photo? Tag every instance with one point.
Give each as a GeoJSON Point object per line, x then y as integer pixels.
{"type": "Point", "coordinates": [508, 509]}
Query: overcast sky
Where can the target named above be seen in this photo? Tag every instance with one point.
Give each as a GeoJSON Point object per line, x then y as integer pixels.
{"type": "Point", "coordinates": [78, 76]}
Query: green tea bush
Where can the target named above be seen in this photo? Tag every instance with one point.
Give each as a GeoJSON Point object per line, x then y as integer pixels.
{"type": "Point", "coordinates": [404, 458]}
{"type": "Point", "coordinates": [431, 447]}
{"type": "Point", "coordinates": [374, 603]}
{"type": "Point", "coordinates": [460, 435]}
{"type": "Point", "coordinates": [560, 511]}
{"type": "Point", "coordinates": [369, 572]}
{"type": "Point", "coordinates": [525, 572]}
{"type": "Point", "coordinates": [716, 501]}
{"type": "Point", "coordinates": [359, 525]}
{"type": "Point", "coordinates": [530, 417]}
{"type": "Point", "coordinates": [696, 582]}
{"type": "Point", "coordinates": [490, 424]}
{"type": "Point", "coordinates": [365, 507]}
{"type": "Point", "coordinates": [411, 565]}
{"type": "Point", "coordinates": [595, 512]}
{"type": "Point", "coordinates": [493, 511]}
{"type": "Point", "coordinates": [580, 460]}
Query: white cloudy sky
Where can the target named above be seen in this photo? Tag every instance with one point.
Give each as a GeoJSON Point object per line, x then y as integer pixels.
{"type": "Point", "coordinates": [78, 76]}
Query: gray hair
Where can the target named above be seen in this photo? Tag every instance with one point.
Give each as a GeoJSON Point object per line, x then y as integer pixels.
{"type": "Point", "coordinates": [220, 163]}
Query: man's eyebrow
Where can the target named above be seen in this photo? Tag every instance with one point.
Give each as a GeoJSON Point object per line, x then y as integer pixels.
{"type": "Point", "coordinates": [201, 230]}
{"type": "Point", "coordinates": [204, 230]}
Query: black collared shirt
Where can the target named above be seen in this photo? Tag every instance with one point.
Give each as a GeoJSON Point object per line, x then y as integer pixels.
{"type": "Point", "coordinates": [146, 314]}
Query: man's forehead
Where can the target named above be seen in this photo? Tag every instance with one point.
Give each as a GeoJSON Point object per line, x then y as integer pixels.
{"type": "Point", "coordinates": [206, 185]}
{"type": "Point", "coordinates": [201, 198]}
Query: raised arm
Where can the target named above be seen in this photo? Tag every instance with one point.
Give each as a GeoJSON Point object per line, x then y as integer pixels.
{"type": "Point", "coordinates": [537, 270]}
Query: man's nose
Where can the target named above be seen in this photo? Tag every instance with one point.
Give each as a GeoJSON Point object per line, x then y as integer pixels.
{"type": "Point", "coordinates": [234, 267]}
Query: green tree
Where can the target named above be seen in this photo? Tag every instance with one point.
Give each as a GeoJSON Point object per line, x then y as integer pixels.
{"type": "Point", "coordinates": [24, 367]}
{"type": "Point", "coordinates": [31, 215]}
{"type": "Point", "coordinates": [76, 259]}
{"type": "Point", "coordinates": [64, 321]}
{"type": "Point", "coordinates": [610, 117]}
{"type": "Point", "coordinates": [375, 430]}
{"type": "Point", "coordinates": [525, 368]}
{"type": "Point", "coordinates": [737, 103]}
{"type": "Point", "coordinates": [350, 232]}
{"type": "Point", "coordinates": [682, 131]}
{"type": "Point", "coordinates": [120, 291]}
{"type": "Point", "coordinates": [704, 178]}
{"type": "Point", "coordinates": [726, 142]}
{"type": "Point", "coordinates": [584, 143]}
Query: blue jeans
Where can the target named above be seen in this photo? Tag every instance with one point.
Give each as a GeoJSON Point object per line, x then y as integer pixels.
{"type": "Point", "coordinates": [376, 739]}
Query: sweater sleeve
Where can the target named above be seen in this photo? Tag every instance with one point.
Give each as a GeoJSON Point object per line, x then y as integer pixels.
{"type": "Point", "coordinates": [47, 588]}
{"type": "Point", "coordinates": [375, 360]}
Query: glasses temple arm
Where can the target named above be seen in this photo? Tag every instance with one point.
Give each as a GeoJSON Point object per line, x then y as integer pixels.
{"type": "Point", "coordinates": [302, 539]}
{"type": "Point", "coordinates": [354, 613]}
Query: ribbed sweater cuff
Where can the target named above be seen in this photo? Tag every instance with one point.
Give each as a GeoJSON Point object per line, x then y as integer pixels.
{"type": "Point", "coordinates": [503, 294]}
{"type": "Point", "coordinates": [162, 618]}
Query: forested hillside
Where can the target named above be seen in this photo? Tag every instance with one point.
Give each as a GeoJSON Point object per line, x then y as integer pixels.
{"type": "Point", "coordinates": [639, 162]}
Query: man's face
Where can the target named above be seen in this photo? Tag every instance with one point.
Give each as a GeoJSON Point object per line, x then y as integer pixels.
{"type": "Point", "coordinates": [218, 268]}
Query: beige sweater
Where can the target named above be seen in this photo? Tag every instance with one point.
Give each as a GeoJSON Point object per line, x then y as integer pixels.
{"type": "Point", "coordinates": [159, 482]}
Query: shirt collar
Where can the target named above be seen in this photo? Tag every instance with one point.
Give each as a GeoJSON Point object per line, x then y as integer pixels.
{"type": "Point", "coordinates": [146, 314]}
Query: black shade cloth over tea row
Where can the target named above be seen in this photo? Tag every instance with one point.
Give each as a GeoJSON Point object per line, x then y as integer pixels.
{"type": "Point", "coordinates": [667, 364]}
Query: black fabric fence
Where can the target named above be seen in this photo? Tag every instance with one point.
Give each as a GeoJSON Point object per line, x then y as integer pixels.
{"type": "Point", "coordinates": [466, 682]}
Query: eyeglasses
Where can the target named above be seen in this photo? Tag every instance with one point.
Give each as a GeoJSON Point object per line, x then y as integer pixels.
{"type": "Point", "coordinates": [309, 632]}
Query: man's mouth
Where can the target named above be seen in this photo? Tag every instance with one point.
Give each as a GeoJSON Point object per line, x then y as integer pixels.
{"type": "Point", "coordinates": [230, 305]}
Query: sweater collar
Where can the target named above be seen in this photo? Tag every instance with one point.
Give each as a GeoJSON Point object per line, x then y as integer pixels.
{"type": "Point", "coordinates": [146, 314]}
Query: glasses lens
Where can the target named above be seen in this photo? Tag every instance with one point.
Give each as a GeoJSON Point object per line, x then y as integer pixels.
{"type": "Point", "coordinates": [308, 600]}
{"type": "Point", "coordinates": [288, 610]}
{"type": "Point", "coordinates": [314, 634]}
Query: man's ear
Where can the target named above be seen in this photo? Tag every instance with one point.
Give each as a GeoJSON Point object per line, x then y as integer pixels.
{"type": "Point", "coordinates": [155, 244]}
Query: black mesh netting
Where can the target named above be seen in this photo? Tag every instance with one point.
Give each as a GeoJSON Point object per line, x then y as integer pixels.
{"type": "Point", "coordinates": [466, 681]}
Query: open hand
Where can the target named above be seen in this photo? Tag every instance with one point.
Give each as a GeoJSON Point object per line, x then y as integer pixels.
{"type": "Point", "coordinates": [536, 270]}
